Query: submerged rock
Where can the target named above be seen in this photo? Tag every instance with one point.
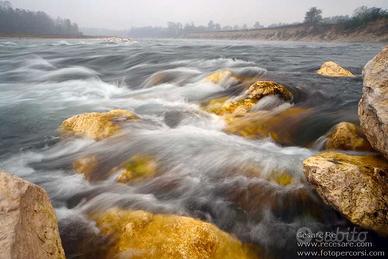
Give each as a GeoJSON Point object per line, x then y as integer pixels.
{"type": "Point", "coordinates": [140, 234]}
{"type": "Point", "coordinates": [245, 102]}
{"type": "Point", "coordinates": [86, 166]}
{"type": "Point", "coordinates": [347, 136]}
{"type": "Point", "coordinates": [96, 125]}
{"type": "Point", "coordinates": [332, 69]}
{"type": "Point", "coordinates": [356, 186]}
{"type": "Point", "coordinates": [227, 77]}
{"type": "Point", "coordinates": [28, 224]}
{"type": "Point", "coordinates": [282, 126]}
{"type": "Point", "coordinates": [138, 167]}
{"type": "Point", "coordinates": [373, 107]}
{"type": "Point", "coordinates": [221, 76]}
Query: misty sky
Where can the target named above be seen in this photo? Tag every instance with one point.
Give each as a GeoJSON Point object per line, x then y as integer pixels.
{"type": "Point", "coordinates": [122, 14]}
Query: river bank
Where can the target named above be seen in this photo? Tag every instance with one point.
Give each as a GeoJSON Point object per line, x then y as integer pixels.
{"type": "Point", "coordinates": [376, 31]}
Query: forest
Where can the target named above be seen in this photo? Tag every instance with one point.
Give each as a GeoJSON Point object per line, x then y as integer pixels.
{"type": "Point", "coordinates": [15, 20]}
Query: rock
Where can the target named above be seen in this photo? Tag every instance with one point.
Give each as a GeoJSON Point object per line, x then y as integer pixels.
{"type": "Point", "coordinates": [96, 125]}
{"type": "Point", "coordinates": [373, 107]}
{"type": "Point", "coordinates": [138, 167]}
{"type": "Point", "coordinates": [221, 76]}
{"type": "Point", "coordinates": [261, 89]}
{"type": "Point", "coordinates": [332, 69]}
{"type": "Point", "coordinates": [86, 166]}
{"type": "Point", "coordinates": [245, 102]}
{"type": "Point", "coordinates": [140, 234]}
{"type": "Point", "coordinates": [283, 126]}
{"type": "Point", "coordinates": [28, 224]}
{"type": "Point", "coordinates": [227, 78]}
{"type": "Point", "coordinates": [347, 136]}
{"type": "Point", "coordinates": [356, 186]}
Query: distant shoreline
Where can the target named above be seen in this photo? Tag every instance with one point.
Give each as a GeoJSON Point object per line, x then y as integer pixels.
{"type": "Point", "coordinates": [49, 36]}
{"type": "Point", "coordinates": [374, 32]}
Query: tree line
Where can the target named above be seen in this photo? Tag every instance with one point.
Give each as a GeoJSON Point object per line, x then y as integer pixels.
{"type": "Point", "coordinates": [361, 16]}
{"type": "Point", "coordinates": [15, 20]}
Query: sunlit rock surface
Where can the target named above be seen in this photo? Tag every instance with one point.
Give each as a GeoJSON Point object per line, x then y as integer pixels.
{"type": "Point", "coordinates": [96, 125]}
{"type": "Point", "coordinates": [245, 102]}
{"type": "Point", "coordinates": [140, 234]}
{"type": "Point", "coordinates": [332, 69]}
{"type": "Point", "coordinates": [354, 185]}
{"type": "Point", "coordinates": [373, 107]}
{"type": "Point", "coordinates": [28, 224]}
{"type": "Point", "coordinates": [347, 136]}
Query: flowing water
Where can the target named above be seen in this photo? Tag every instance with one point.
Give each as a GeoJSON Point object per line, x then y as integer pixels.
{"type": "Point", "coordinates": [202, 170]}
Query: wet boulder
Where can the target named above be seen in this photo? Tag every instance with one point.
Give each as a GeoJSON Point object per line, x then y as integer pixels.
{"type": "Point", "coordinates": [96, 125]}
{"type": "Point", "coordinates": [332, 69]}
{"type": "Point", "coordinates": [373, 106]}
{"type": "Point", "coordinates": [356, 186]}
{"type": "Point", "coordinates": [86, 166]}
{"type": "Point", "coordinates": [236, 77]}
{"type": "Point", "coordinates": [137, 168]}
{"type": "Point", "coordinates": [140, 234]}
{"type": "Point", "coordinates": [347, 136]}
{"type": "Point", "coordinates": [244, 103]}
{"type": "Point", "coordinates": [221, 77]}
{"type": "Point", "coordinates": [28, 224]}
{"type": "Point", "coordinates": [282, 126]}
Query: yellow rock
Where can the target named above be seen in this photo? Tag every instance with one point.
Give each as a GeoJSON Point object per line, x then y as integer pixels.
{"type": "Point", "coordinates": [137, 167]}
{"type": "Point", "coordinates": [242, 104]}
{"type": "Point", "coordinates": [356, 186]}
{"type": "Point", "coordinates": [332, 69]}
{"type": "Point", "coordinates": [347, 136]}
{"type": "Point", "coordinates": [282, 126]}
{"type": "Point", "coordinates": [261, 89]}
{"type": "Point", "coordinates": [227, 77]}
{"type": "Point", "coordinates": [86, 166]}
{"type": "Point", "coordinates": [215, 106]}
{"type": "Point", "coordinates": [96, 125]}
{"type": "Point", "coordinates": [282, 178]}
{"type": "Point", "coordinates": [220, 76]}
{"type": "Point", "coordinates": [139, 234]}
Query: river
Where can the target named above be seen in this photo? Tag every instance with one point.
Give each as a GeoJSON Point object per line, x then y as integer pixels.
{"type": "Point", "coordinates": [43, 82]}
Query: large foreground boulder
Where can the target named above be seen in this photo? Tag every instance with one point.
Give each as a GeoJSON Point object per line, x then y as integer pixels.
{"type": "Point", "coordinates": [373, 106]}
{"type": "Point", "coordinates": [332, 69]}
{"type": "Point", "coordinates": [96, 125]}
{"type": "Point", "coordinates": [140, 234]}
{"type": "Point", "coordinates": [356, 186]}
{"type": "Point", "coordinates": [28, 224]}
